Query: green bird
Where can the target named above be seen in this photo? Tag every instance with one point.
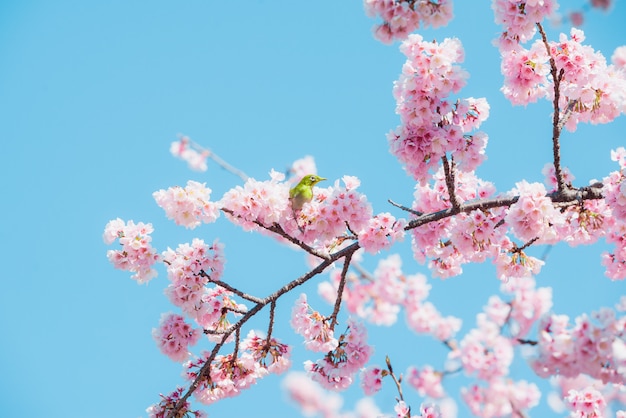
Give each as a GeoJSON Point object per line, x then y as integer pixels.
{"type": "Point", "coordinates": [303, 191]}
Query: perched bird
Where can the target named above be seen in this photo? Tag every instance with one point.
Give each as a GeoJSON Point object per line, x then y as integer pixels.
{"type": "Point", "coordinates": [303, 191]}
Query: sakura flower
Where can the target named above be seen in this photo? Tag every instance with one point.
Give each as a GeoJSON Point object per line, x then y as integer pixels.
{"type": "Point", "coordinates": [137, 254]}
{"type": "Point", "coordinates": [189, 206]}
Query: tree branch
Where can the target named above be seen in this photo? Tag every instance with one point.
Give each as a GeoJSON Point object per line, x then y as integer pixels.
{"type": "Point", "coordinates": [206, 367]}
{"type": "Point", "coordinates": [342, 284]}
{"type": "Point", "coordinates": [556, 124]}
{"type": "Point", "coordinates": [448, 168]}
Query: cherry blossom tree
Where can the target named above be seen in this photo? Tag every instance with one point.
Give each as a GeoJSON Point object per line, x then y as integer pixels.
{"type": "Point", "coordinates": [456, 218]}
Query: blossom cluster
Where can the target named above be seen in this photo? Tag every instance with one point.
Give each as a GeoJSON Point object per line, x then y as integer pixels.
{"type": "Point", "coordinates": [519, 19]}
{"type": "Point", "coordinates": [190, 268]}
{"type": "Point", "coordinates": [484, 351]}
{"type": "Point", "coordinates": [590, 89]}
{"type": "Point", "coordinates": [587, 403]}
{"type": "Point", "coordinates": [260, 347]}
{"type": "Point", "coordinates": [528, 304]}
{"type": "Point", "coordinates": [189, 206]}
{"type": "Point", "coordinates": [174, 335]}
{"type": "Point", "coordinates": [196, 160]}
{"type": "Point", "coordinates": [593, 347]}
{"type": "Point", "coordinates": [401, 17]}
{"type": "Point", "coordinates": [427, 381]}
{"type": "Point", "coordinates": [333, 214]}
{"type": "Point", "coordinates": [533, 216]}
{"type": "Point", "coordinates": [431, 124]}
{"type": "Point", "coordinates": [576, 389]}
{"type": "Point", "coordinates": [378, 298]}
{"type": "Point", "coordinates": [318, 336]}
{"type": "Point", "coordinates": [137, 254]}
{"type": "Point", "coordinates": [228, 375]}
{"type": "Point", "coordinates": [501, 398]}
{"type": "Point", "coordinates": [337, 368]}
{"type": "Point", "coordinates": [313, 399]}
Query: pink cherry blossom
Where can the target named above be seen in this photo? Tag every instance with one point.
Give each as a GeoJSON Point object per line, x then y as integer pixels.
{"type": "Point", "coordinates": [312, 326]}
{"type": "Point", "coordinates": [189, 206]}
{"type": "Point", "coordinates": [372, 379]}
{"type": "Point", "coordinates": [381, 232]}
{"type": "Point", "coordinates": [190, 268]}
{"type": "Point", "coordinates": [484, 351]}
{"type": "Point", "coordinates": [587, 347]}
{"type": "Point", "coordinates": [266, 202]}
{"type": "Point", "coordinates": [519, 18]}
{"type": "Point", "coordinates": [174, 335]}
{"type": "Point", "coordinates": [402, 410]}
{"type": "Point", "coordinates": [227, 377]}
{"type": "Point", "coordinates": [310, 396]}
{"type": "Point", "coordinates": [533, 215]}
{"type": "Point", "coordinates": [431, 124]}
{"type": "Point", "coordinates": [619, 57]}
{"type": "Point", "coordinates": [375, 298]}
{"type": "Point", "coordinates": [182, 149]}
{"type": "Point", "coordinates": [588, 403]}
{"type": "Point", "coordinates": [137, 254]}
{"type": "Point", "coordinates": [403, 17]}
{"type": "Point", "coordinates": [260, 348]}
{"type": "Point", "coordinates": [426, 381]}
{"type": "Point", "coordinates": [429, 411]}
{"type": "Point", "coordinates": [335, 371]}
{"type": "Point", "coordinates": [501, 397]}
{"type": "Point", "coordinates": [529, 304]}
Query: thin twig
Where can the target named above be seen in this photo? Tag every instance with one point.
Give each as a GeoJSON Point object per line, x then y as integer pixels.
{"type": "Point", "coordinates": [230, 288]}
{"type": "Point", "coordinates": [556, 130]}
{"type": "Point", "coordinates": [340, 288]}
{"type": "Point", "coordinates": [448, 168]}
{"type": "Point", "coordinates": [404, 208]}
{"type": "Point", "coordinates": [398, 382]}
{"type": "Point", "coordinates": [270, 327]}
{"type": "Point", "coordinates": [213, 156]}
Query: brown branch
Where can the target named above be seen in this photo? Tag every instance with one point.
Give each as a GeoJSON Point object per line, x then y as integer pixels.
{"type": "Point", "coordinates": [404, 208]}
{"type": "Point", "coordinates": [556, 125]}
{"type": "Point", "coordinates": [397, 381]}
{"type": "Point", "coordinates": [230, 288]}
{"type": "Point", "coordinates": [568, 196]}
{"type": "Point", "coordinates": [205, 369]}
{"type": "Point", "coordinates": [213, 156]}
{"type": "Point", "coordinates": [270, 328]}
{"type": "Point", "coordinates": [341, 287]}
{"type": "Point", "coordinates": [523, 247]}
{"type": "Point", "coordinates": [278, 230]}
{"type": "Point", "coordinates": [565, 197]}
{"type": "Point", "coordinates": [448, 168]}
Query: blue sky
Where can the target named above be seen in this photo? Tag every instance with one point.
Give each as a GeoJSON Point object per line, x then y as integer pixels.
{"type": "Point", "coordinates": [91, 95]}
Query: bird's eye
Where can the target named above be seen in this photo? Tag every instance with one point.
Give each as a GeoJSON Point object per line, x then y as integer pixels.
{"type": "Point", "coordinates": [312, 178]}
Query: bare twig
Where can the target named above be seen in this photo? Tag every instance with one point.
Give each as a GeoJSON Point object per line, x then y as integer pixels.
{"type": "Point", "coordinates": [213, 156]}
{"type": "Point", "coordinates": [270, 328]}
{"type": "Point", "coordinates": [230, 288]}
{"type": "Point", "coordinates": [448, 168]}
{"type": "Point", "coordinates": [556, 125]}
{"type": "Point", "coordinates": [404, 208]}
{"type": "Point", "coordinates": [340, 288]}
